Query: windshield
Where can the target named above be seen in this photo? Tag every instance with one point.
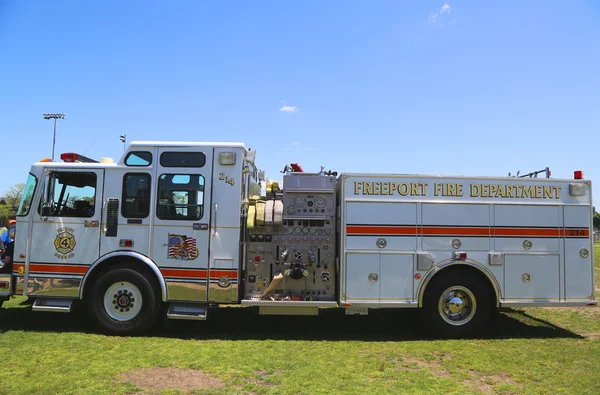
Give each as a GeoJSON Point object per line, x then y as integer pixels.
{"type": "Point", "coordinates": [27, 195]}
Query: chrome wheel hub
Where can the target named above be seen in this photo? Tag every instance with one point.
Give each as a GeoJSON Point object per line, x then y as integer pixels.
{"type": "Point", "coordinates": [457, 305]}
{"type": "Point", "coordinates": [123, 301]}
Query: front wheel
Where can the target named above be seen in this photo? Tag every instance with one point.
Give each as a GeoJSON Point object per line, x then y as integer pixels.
{"type": "Point", "coordinates": [456, 304]}
{"type": "Point", "coordinates": [124, 302]}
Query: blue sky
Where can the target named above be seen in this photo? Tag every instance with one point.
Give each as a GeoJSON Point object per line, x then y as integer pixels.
{"type": "Point", "coordinates": [431, 87]}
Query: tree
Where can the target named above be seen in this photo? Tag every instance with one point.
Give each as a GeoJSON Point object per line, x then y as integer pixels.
{"type": "Point", "coordinates": [597, 220]}
{"type": "Point", "coordinates": [12, 199]}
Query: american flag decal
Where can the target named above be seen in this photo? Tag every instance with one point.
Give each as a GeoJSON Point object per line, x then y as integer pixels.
{"type": "Point", "coordinates": [182, 247]}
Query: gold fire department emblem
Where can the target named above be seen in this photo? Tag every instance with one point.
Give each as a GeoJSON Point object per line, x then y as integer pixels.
{"type": "Point", "coordinates": [65, 243]}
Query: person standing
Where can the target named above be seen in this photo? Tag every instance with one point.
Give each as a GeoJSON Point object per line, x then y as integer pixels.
{"type": "Point", "coordinates": [7, 257]}
{"type": "Point", "coordinates": [7, 236]}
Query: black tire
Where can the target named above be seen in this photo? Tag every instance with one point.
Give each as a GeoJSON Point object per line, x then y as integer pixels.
{"type": "Point", "coordinates": [466, 318]}
{"type": "Point", "coordinates": [125, 287]}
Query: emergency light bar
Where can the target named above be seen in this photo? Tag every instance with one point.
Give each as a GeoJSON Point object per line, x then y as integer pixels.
{"type": "Point", "coordinates": [70, 157]}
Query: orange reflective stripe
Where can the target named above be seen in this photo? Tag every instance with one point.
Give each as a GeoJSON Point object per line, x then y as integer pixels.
{"type": "Point", "coordinates": [187, 273]}
{"type": "Point", "coordinates": [366, 230]}
{"type": "Point", "coordinates": [381, 229]}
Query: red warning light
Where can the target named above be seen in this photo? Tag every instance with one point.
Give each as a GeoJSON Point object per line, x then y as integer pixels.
{"type": "Point", "coordinates": [69, 157]}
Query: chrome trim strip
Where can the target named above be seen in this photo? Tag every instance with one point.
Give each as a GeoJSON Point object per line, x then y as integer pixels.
{"type": "Point", "coordinates": [19, 285]}
{"type": "Point", "coordinates": [468, 262]}
{"type": "Point", "coordinates": [219, 294]}
{"type": "Point", "coordinates": [286, 303]}
{"type": "Point", "coordinates": [217, 281]}
{"type": "Point", "coordinates": [533, 303]}
{"type": "Point", "coordinates": [181, 280]}
{"type": "Point", "coordinates": [53, 286]}
{"type": "Point", "coordinates": [370, 304]}
{"type": "Point", "coordinates": [45, 275]}
{"type": "Point", "coordinates": [186, 291]}
{"type": "Point", "coordinates": [129, 254]}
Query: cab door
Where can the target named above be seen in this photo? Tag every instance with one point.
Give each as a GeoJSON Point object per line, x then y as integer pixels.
{"type": "Point", "coordinates": [224, 275]}
{"type": "Point", "coordinates": [180, 241]}
{"type": "Point", "coordinates": [66, 228]}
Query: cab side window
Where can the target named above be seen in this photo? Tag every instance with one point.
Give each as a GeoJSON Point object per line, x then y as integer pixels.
{"type": "Point", "coordinates": [69, 195]}
{"type": "Point", "coordinates": [136, 195]}
{"type": "Point", "coordinates": [180, 197]}
{"type": "Point", "coordinates": [138, 158]}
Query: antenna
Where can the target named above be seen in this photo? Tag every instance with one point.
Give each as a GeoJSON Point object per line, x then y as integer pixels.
{"type": "Point", "coordinates": [123, 139]}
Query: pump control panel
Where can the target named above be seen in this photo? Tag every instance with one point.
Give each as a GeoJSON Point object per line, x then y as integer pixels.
{"type": "Point", "coordinates": [297, 259]}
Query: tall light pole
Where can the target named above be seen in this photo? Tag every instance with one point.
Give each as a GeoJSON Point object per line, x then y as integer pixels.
{"type": "Point", "coordinates": [55, 117]}
{"type": "Point", "coordinates": [123, 138]}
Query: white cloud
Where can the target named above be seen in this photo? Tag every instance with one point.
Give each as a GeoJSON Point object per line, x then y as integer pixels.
{"type": "Point", "coordinates": [294, 144]}
{"type": "Point", "coordinates": [446, 9]}
{"type": "Point", "coordinates": [288, 109]}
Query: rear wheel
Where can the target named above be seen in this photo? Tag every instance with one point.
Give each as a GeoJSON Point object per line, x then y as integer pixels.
{"type": "Point", "coordinates": [456, 304]}
{"type": "Point", "coordinates": [124, 302]}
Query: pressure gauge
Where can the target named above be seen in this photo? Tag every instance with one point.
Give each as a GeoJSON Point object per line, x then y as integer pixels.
{"type": "Point", "coordinates": [327, 231]}
{"type": "Point", "coordinates": [305, 230]}
{"type": "Point", "coordinates": [320, 201]}
{"type": "Point", "coordinates": [300, 201]}
{"type": "Point", "coordinates": [291, 209]}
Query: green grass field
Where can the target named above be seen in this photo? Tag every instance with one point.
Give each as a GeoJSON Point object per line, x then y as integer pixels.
{"type": "Point", "coordinates": [539, 350]}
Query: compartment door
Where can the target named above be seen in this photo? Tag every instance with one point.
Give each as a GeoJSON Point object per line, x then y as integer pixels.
{"type": "Point", "coordinates": [362, 276]}
{"type": "Point", "coordinates": [532, 277]}
{"type": "Point", "coordinates": [396, 283]}
{"type": "Point", "coordinates": [578, 266]}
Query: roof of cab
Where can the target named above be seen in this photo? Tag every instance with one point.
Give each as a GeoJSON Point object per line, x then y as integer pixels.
{"type": "Point", "coordinates": [183, 144]}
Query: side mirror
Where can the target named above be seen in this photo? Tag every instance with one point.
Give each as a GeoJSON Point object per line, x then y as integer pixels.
{"type": "Point", "coordinates": [47, 209]}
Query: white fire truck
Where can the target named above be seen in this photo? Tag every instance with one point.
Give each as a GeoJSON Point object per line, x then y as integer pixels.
{"type": "Point", "coordinates": [175, 228]}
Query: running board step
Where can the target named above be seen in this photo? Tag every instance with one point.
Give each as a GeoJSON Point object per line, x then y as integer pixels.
{"type": "Point", "coordinates": [187, 311]}
{"type": "Point", "coordinates": [56, 305]}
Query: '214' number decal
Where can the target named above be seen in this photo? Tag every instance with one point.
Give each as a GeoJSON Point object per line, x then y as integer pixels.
{"type": "Point", "coordinates": [227, 179]}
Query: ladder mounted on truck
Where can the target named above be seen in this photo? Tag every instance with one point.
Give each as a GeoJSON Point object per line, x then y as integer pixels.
{"type": "Point", "coordinates": [533, 174]}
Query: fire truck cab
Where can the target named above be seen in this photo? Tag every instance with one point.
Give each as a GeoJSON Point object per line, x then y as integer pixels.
{"type": "Point", "coordinates": [173, 228]}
